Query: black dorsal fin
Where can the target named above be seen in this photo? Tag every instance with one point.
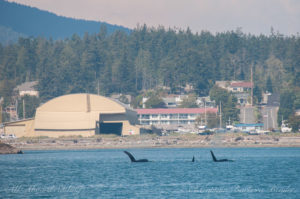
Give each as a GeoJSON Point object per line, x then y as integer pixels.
{"type": "Point", "coordinates": [130, 156]}
{"type": "Point", "coordinates": [213, 156]}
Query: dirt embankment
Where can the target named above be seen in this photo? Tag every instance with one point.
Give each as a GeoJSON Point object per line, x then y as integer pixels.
{"type": "Point", "coordinates": [153, 141]}
{"type": "Point", "coordinates": [8, 149]}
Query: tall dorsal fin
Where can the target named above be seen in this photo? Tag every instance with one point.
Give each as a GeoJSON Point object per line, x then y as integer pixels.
{"type": "Point", "coordinates": [130, 156]}
{"type": "Point", "coordinates": [213, 156]}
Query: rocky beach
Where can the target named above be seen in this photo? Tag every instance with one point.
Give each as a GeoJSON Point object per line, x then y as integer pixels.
{"type": "Point", "coordinates": [154, 141]}
{"type": "Point", "coordinates": [8, 149]}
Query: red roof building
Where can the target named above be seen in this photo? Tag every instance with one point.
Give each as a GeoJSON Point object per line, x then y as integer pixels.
{"type": "Point", "coordinates": [174, 116]}
{"type": "Point", "coordinates": [176, 111]}
{"type": "Point", "coordinates": [241, 84]}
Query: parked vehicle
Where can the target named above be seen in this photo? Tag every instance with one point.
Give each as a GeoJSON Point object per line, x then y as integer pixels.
{"type": "Point", "coordinates": [206, 132]}
{"type": "Point", "coordinates": [285, 128]}
{"type": "Point", "coordinates": [12, 136]}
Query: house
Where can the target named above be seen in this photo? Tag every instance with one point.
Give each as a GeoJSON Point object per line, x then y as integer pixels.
{"type": "Point", "coordinates": [171, 101]}
{"type": "Point", "coordinates": [235, 86]}
{"type": "Point", "coordinates": [27, 88]}
{"type": "Point", "coordinates": [205, 102]}
{"type": "Point", "coordinates": [240, 89]}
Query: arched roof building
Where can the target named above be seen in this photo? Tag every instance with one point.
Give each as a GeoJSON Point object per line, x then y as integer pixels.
{"type": "Point", "coordinates": [85, 115]}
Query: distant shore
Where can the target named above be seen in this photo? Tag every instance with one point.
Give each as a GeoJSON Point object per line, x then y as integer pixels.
{"type": "Point", "coordinates": [154, 141]}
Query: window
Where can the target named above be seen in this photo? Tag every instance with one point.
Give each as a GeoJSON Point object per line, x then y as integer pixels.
{"type": "Point", "coordinates": [154, 116]}
{"type": "Point", "coordinates": [145, 122]}
{"type": "Point", "coordinates": [145, 116]}
{"type": "Point", "coordinates": [173, 116]}
{"type": "Point", "coordinates": [171, 104]}
{"type": "Point", "coordinates": [183, 122]}
{"type": "Point", "coordinates": [164, 116]}
{"type": "Point", "coordinates": [183, 116]}
{"type": "Point", "coordinates": [192, 115]}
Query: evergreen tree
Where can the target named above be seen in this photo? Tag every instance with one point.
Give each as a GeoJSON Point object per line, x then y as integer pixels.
{"type": "Point", "coordinates": [269, 86]}
{"type": "Point", "coordinates": [31, 103]}
{"type": "Point", "coordinates": [257, 93]}
{"type": "Point", "coordinates": [227, 101]}
{"type": "Point", "coordinates": [287, 99]}
{"type": "Point", "coordinates": [155, 102]}
{"type": "Point", "coordinates": [149, 58]}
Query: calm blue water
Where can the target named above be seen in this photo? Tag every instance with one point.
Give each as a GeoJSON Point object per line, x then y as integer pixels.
{"type": "Point", "coordinates": [256, 173]}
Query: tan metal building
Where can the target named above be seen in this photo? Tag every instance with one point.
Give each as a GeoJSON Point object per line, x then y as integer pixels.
{"type": "Point", "coordinates": [77, 114]}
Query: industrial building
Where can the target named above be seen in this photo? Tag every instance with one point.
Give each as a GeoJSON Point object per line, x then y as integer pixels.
{"type": "Point", "coordinates": [77, 114]}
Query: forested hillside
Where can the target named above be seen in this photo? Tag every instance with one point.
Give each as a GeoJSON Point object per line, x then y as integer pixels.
{"type": "Point", "coordinates": [16, 20]}
{"type": "Point", "coordinates": [148, 58]}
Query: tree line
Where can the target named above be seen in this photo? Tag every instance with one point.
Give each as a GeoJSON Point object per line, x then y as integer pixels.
{"type": "Point", "coordinates": [149, 58]}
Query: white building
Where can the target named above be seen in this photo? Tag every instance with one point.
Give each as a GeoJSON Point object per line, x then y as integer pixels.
{"type": "Point", "coordinates": [235, 86]}
{"type": "Point", "coordinates": [27, 88]}
{"type": "Point", "coordinates": [249, 127]}
{"type": "Point", "coordinates": [176, 116]}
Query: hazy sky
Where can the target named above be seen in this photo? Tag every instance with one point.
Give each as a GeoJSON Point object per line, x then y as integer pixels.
{"type": "Point", "coordinates": [253, 16]}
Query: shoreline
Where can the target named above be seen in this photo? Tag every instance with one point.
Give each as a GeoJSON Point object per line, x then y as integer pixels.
{"type": "Point", "coordinates": [163, 147]}
{"type": "Point", "coordinates": [154, 141]}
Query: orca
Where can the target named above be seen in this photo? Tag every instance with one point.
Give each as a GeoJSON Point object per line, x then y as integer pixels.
{"type": "Point", "coordinates": [133, 159]}
{"type": "Point", "coordinates": [221, 160]}
{"type": "Point", "coordinates": [193, 160]}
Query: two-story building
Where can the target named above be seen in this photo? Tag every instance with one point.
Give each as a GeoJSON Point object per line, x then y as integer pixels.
{"type": "Point", "coordinates": [175, 116]}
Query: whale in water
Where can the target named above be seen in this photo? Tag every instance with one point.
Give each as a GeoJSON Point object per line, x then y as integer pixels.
{"type": "Point", "coordinates": [133, 159]}
{"type": "Point", "coordinates": [216, 160]}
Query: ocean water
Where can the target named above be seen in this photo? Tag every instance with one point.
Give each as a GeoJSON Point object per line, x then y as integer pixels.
{"type": "Point", "coordinates": [255, 173]}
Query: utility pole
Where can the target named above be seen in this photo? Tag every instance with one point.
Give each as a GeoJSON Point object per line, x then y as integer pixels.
{"type": "Point", "coordinates": [24, 111]}
{"type": "Point", "coordinates": [220, 114]}
{"type": "Point", "coordinates": [244, 108]}
{"type": "Point", "coordinates": [251, 85]}
{"type": "Point", "coordinates": [205, 113]}
{"type": "Point", "coordinates": [17, 110]}
{"type": "Point", "coordinates": [267, 120]}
